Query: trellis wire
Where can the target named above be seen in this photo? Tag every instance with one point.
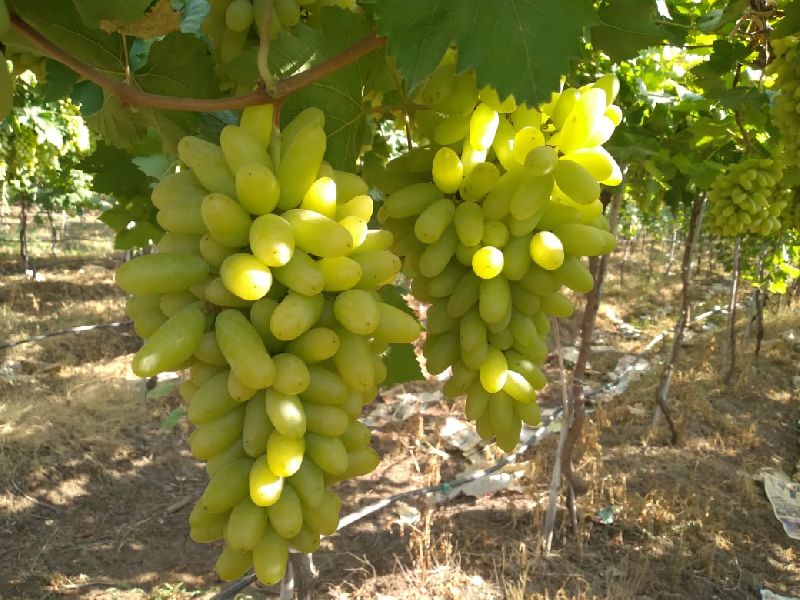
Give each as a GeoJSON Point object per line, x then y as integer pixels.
{"type": "Point", "coordinates": [78, 329]}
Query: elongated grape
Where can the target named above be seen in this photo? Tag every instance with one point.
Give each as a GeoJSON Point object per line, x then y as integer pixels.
{"type": "Point", "coordinates": [448, 172]}
{"type": "Point", "coordinates": [494, 299]}
{"type": "Point", "coordinates": [208, 164]}
{"type": "Point", "coordinates": [299, 165]}
{"type": "Point", "coordinates": [353, 361]}
{"type": "Point", "coordinates": [396, 326]}
{"type": "Point", "coordinates": [227, 487]}
{"type": "Point", "coordinates": [270, 556]}
{"type": "Point", "coordinates": [245, 276]}
{"type": "Point", "coordinates": [327, 452]}
{"type": "Point", "coordinates": [300, 274]}
{"type": "Point", "coordinates": [295, 315]}
{"type": "Point", "coordinates": [161, 273]}
{"type": "Point", "coordinates": [257, 188]}
{"type": "Point", "coordinates": [317, 234]}
{"type": "Point", "coordinates": [244, 349]}
{"type": "Point", "coordinates": [584, 240]}
{"type": "Point", "coordinates": [576, 182]}
{"type": "Point", "coordinates": [211, 400]}
{"type": "Point", "coordinates": [172, 344]}
{"type": "Point", "coordinates": [547, 250]}
{"type": "Point", "coordinates": [357, 310]}
{"type": "Point", "coordinates": [378, 267]}
{"type": "Point", "coordinates": [246, 525]}
{"type": "Point", "coordinates": [226, 220]}
{"type": "Point", "coordinates": [257, 121]}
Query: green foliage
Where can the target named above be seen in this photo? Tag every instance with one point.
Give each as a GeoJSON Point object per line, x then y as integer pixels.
{"type": "Point", "coordinates": [519, 47]}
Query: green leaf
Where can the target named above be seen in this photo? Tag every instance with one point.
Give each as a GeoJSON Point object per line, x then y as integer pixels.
{"type": "Point", "coordinates": [137, 236]}
{"type": "Point", "coordinates": [626, 28]}
{"type": "Point", "coordinates": [114, 172]}
{"type": "Point", "coordinates": [401, 365]}
{"type": "Point", "coordinates": [171, 420]}
{"type": "Point", "coordinates": [154, 166]}
{"type": "Point", "coordinates": [520, 47]}
{"type": "Point", "coordinates": [340, 94]}
{"type": "Point", "coordinates": [790, 23]}
{"type": "Point", "coordinates": [393, 294]}
{"type": "Point", "coordinates": [60, 80]}
{"type": "Point", "coordinates": [179, 64]}
{"type": "Point", "coordinates": [59, 22]}
{"type": "Point", "coordinates": [163, 389]}
{"type": "Point", "coordinates": [94, 11]}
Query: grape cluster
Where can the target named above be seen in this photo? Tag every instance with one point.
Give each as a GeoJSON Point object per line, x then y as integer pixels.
{"type": "Point", "coordinates": [233, 25]}
{"type": "Point", "coordinates": [786, 106]}
{"type": "Point", "coordinates": [747, 198]}
{"type": "Point", "coordinates": [264, 287]}
{"type": "Point", "coordinates": [492, 220]}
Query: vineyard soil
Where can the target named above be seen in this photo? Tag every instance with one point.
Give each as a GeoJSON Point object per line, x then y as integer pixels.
{"type": "Point", "coordinates": [94, 493]}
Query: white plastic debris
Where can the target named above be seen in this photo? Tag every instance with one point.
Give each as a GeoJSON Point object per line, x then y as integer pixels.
{"type": "Point", "coordinates": [406, 514]}
{"type": "Point", "coordinates": [784, 495]}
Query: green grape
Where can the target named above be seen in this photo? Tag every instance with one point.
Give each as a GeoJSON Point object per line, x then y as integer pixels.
{"type": "Point", "coordinates": [227, 487]}
{"type": "Point", "coordinates": [300, 274]}
{"type": "Point", "coordinates": [175, 187]}
{"type": "Point", "coordinates": [325, 387]}
{"type": "Point", "coordinates": [321, 197]}
{"type": "Point", "coordinates": [284, 454]}
{"type": "Point", "coordinates": [480, 181]}
{"type": "Point", "coordinates": [447, 172]}
{"type": "Point", "coordinates": [172, 344]}
{"type": "Point", "coordinates": [257, 188]}
{"type": "Point", "coordinates": [531, 197]}
{"type": "Point", "coordinates": [495, 233]}
{"type": "Point", "coordinates": [295, 315]}
{"type": "Point", "coordinates": [434, 221]}
{"type": "Point", "coordinates": [211, 400]}
{"type": "Point", "coordinates": [487, 262]}
{"type": "Point", "coordinates": [272, 240]}
{"type": "Point", "coordinates": [208, 164]}
{"type": "Point", "coordinates": [256, 427]}
{"type": "Point", "coordinates": [357, 311]}
{"type": "Point", "coordinates": [244, 349]}
{"type": "Point", "coordinates": [172, 302]}
{"type": "Point", "coordinates": [575, 275]}
{"type": "Point", "coordinates": [576, 182]}
{"type": "Point", "coordinates": [286, 515]}
{"type": "Point", "coordinates": [233, 452]}
{"type": "Point", "coordinates": [353, 361]}
{"type": "Point", "coordinates": [292, 376]}
{"type": "Point", "coordinates": [245, 276]}
{"type": "Point", "coordinates": [410, 201]}
{"type": "Point", "coordinates": [216, 293]}
{"type": "Point", "coordinates": [451, 130]}
{"type": "Point", "coordinates": [264, 485]}
{"type": "Point", "coordinates": [327, 452]}
{"type": "Point", "coordinates": [494, 299]}
{"type": "Point", "coordinates": [317, 234]}
{"type": "Point", "coordinates": [396, 326]}
{"type": "Point", "coordinates": [378, 267]}
{"type": "Point", "coordinates": [309, 482]}
{"type": "Point", "coordinates": [547, 250]}
{"type": "Point", "coordinates": [161, 273]}
{"type": "Point", "coordinates": [597, 161]}
{"type": "Point", "coordinates": [179, 243]}
{"type": "Point", "coordinates": [246, 524]}
{"type": "Point", "coordinates": [239, 16]}
{"type": "Point", "coordinates": [326, 420]}
{"type": "Point", "coordinates": [210, 439]}
{"type": "Point", "coordinates": [360, 206]}
{"type": "Point", "coordinates": [270, 556]}
{"type": "Point", "coordinates": [315, 345]}
{"type": "Point", "coordinates": [584, 240]}
{"type": "Point", "coordinates": [226, 220]}
{"type": "Point", "coordinates": [257, 121]}
{"type": "Point", "coordinates": [469, 223]}
{"type": "Point", "coordinates": [241, 148]}
{"type": "Point", "coordinates": [557, 304]}
{"type": "Point", "coordinates": [493, 371]}
{"type": "Point", "coordinates": [299, 165]}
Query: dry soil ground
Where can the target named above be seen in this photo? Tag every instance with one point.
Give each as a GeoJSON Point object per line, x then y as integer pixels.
{"type": "Point", "coordinates": [94, 493]}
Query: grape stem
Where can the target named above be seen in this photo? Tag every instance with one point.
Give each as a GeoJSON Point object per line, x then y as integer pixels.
{"type": "Point", "coordinates": [129, 94]}
{"type": "Point", "coordinates": [263, 49]}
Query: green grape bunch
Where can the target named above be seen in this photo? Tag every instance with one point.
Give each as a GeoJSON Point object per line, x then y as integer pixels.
{"type": "Point", "coordinates": [786, 105]}
{"type": "Point", "coordinates": [491, 221]}
{"type": "Point", "coordinates": [747, 198]}
{"type": "Point", "coordinates": [234, 25]}
{"type": "Point", "coordinates": [265, 288]}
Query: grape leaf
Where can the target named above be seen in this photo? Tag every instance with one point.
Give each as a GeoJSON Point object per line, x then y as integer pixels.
{"type": "Point", "coordinates": [114, 172]}
{"type": "Point", "coordinates": [60, 80]}
{"type": "Point", "coordinates": [60, 23]}
{"type": "Point", "coordinates": [126, 11]}
{"type": "Point", "coordinates": [179, 65]}
{"type": "Point", "coordinates": [401, 365]}
{"type": "Point", "coordinates": [340, 94]}
{"type": "Point", "coordinates": [520, 47]}
{"type": "Point", "coordinates": [626, 28]}
{"type": "Point", "coordinates": [790, 23]}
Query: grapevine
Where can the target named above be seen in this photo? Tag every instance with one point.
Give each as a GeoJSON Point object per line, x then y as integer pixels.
{"type": "Point", "coordinates": [512, 207]}
{"type": "Point", "coordinates": [748, 198]}
{"type": "Point", "coordinates": [265, 288]}
{"type": "Point", "coordinates": [786, 67]}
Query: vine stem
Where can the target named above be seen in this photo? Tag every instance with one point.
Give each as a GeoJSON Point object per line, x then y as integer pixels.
{"type": "Point", "coordinates": [129, 94]}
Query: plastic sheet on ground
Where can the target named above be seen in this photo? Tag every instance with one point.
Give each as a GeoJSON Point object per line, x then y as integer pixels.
{"type": "Point", "coordinates": [629, 368]}
{"type": "Point", "coordinates": [784, 495]}
{"type": "Point", "coordinates": [507, 478]}
{"type": "Point", "coordinates": [768, 595]}
{"type": "Point", "coordinates": [400, 407]}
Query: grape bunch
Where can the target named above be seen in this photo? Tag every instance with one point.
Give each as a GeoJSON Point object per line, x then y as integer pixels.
{"type": "Point", "coordinates": [747, 198]}
{"type": "Point", "coordinates": [233, 25]}
{"type": "Point", "coordinates": [265, 288]}
{"type": "Point", "coordinates": [786, 106]}
{"type": "Point", "coordinates": [492, 220]}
